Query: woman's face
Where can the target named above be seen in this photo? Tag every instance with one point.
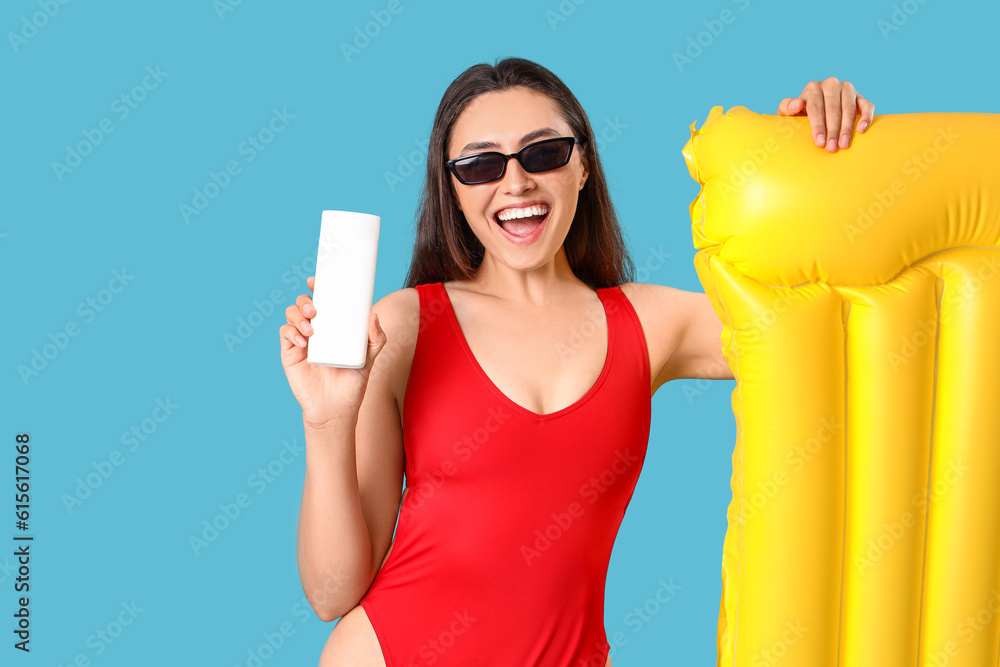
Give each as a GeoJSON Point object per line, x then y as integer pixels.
{"type": "Point", "coordinates": [510, 120]}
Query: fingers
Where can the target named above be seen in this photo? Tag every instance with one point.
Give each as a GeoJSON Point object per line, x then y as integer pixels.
{"type": "Point", "coordinates": [834, 113]}
{"type": "Point", "coordinates": [791, 106]}
{"type": "Point", "coordinates": [816, 111]}
{"type": "Point", "coordinates": [310, 281]}
{"type": "Point", "coordinates": [832, 107]}
{"type": "Point", "coordinates": [298, 322]}
{"type": "Point", "coordinates": [848, 106]}
{"type": "Point", "coordinates": [290, 337]}
{"type": "Point", "coordinates": [305, 304]}
{"type": "Point", "coordinates": [867, 110]}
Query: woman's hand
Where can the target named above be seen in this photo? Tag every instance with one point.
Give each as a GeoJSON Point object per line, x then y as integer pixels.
{"type": "Point", "coordinates": [326, 394]}
{"type": "Point", "coordinates": [831, 106]}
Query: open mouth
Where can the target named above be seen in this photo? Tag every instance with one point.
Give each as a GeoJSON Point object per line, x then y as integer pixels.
{"type": "Point", "coordinates": [529, 220]}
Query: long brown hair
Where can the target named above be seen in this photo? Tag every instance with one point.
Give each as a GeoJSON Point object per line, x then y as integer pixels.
{"type": "Point", "coordinates": [446, 248]}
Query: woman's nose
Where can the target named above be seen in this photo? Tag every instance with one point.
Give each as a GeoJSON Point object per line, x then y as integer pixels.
{"type": "Point", "coordinates": [516, 179]}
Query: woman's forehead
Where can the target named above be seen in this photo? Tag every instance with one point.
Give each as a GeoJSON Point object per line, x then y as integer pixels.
{"type": "Point", "coordinates": [506, 117]}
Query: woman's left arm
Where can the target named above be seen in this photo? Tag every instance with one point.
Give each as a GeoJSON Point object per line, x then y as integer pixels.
{"type": "Point", "coordinates": [686, 323]}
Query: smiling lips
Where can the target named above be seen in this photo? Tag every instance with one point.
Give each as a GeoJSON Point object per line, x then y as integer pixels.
{"type": "Point", "coordinates": [522, 221]}
{"type": "Point", "coordinates": [522, 212]}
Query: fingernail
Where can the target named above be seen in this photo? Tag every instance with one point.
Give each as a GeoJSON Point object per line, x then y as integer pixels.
{"type": "Point", "coordinates": [862, 126]}
{"type": "Point", "coordinates": [845, 141]}
{"type": "Point", "coordinates": [832, 144]}
{"type": "Point", "coordinates": [306, 328]}
{"type": "Point", "coordinates": [309, 310]}
{"type": "Point", "coordinates": [820, 139]}
{"type": "Point", "coordinates": [300, 340]}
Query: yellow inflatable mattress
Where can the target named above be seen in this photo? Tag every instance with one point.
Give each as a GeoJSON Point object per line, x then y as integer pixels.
{"type": "Point", "coordinates": [860, 297]}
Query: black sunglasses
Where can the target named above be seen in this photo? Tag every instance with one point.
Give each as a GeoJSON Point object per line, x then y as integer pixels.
{"type": "Point", "coordinates": [491, 166]}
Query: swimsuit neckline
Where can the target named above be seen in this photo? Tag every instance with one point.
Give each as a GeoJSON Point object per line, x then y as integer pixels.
{"type": "Point", "coordinates": [601, 294]}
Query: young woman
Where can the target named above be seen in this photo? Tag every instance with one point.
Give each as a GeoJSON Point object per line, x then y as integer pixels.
{"type": "Point", "coordinates": [512, 383]}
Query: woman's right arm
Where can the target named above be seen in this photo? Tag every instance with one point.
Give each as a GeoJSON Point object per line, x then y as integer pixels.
{"type": "Point", "coordinates": [354, 461]}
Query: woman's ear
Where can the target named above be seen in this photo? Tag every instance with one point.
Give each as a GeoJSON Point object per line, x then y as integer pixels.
{"type": "Point", "coordinates": [585, 161]}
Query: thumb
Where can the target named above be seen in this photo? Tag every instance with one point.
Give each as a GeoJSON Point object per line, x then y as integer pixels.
{"type": "Point", "coordinates": [376, 341]}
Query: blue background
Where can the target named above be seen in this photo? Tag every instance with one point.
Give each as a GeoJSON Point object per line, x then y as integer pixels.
{"type": "Point", "coordinates": [162, 336]}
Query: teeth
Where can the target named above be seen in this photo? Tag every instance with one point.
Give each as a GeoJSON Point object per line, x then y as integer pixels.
{"type": "Point", "coordinates": [512, 213]}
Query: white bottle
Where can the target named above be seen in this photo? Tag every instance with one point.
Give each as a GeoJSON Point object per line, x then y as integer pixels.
{"type": "Point", "coordinates": [343, 289]}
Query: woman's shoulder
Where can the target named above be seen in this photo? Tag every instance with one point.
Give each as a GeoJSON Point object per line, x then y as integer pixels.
{"type": "Point", "coordinates": [399, 316]}
{"type": "Point", "coordinates": [650, 299]}
{"type": "Point", "coordinates": [662, 307]}
{"type": "Point", "coordinates": [398, 310]}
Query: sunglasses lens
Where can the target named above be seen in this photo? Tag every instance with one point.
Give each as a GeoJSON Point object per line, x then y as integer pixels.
{"type": "Point", "coordinates": [546, 156]}
{"type": "Point", "coordinates": [543, 156]}
{"type": "Point", "coordinates": [480, 168]}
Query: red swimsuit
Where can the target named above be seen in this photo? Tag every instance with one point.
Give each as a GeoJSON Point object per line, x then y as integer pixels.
{"type": "Point", "coordinates": [504, 536]}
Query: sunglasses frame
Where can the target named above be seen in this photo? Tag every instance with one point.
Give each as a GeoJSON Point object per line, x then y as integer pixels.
{"type": "Point", "coordinates": [450, 164]}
